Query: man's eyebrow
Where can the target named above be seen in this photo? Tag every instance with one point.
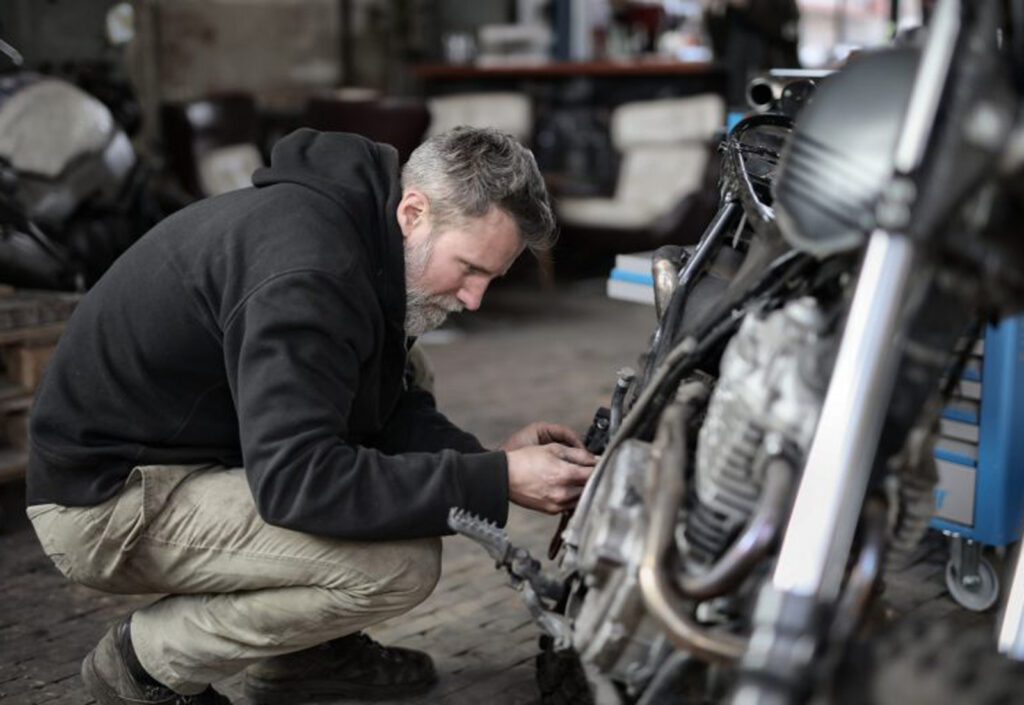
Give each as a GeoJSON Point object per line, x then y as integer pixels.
{"type": "Point", "coordinates": [482, 270]}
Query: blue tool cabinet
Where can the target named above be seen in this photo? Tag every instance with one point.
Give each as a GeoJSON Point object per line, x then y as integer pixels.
{"type": "Point", "coordinates": [980, 456]}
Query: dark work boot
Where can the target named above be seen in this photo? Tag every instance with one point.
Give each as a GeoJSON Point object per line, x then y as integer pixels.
{"type": "Point", "coordinates": [354, 666]}
{"type": "Point", "coordinates": [114, 676]}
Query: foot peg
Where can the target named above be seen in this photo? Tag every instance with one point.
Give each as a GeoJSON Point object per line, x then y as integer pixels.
{"type": "Point", "coordinates": [523, 569]}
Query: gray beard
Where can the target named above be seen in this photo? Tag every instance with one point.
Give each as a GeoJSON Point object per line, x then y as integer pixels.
{"type": "Point", "coordinates": [423, 311]}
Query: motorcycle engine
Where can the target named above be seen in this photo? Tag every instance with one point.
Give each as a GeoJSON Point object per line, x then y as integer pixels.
{"type": "Point", "coordinates": [773, 375]}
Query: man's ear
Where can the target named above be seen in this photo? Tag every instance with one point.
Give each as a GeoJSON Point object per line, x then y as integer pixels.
{"type": "Point", "coordinates": [413, 210]}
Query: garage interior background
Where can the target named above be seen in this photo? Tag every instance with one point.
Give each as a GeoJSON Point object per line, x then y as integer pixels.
{"type": "Point", "coordinates": [196, 76]}
{"type": "Point", "coordinates": [204, 87]}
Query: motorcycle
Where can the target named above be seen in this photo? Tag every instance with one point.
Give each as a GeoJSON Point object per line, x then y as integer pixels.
{"type": "Point", "coordinates": [73, 192]}
{"type": "Point", "coordinates": [772, 458]}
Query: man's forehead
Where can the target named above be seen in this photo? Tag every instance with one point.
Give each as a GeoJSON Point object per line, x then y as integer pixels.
{"type": "Point", "coordinates": [491, 241]}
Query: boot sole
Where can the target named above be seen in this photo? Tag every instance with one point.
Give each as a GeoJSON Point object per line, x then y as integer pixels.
{"type": "Point", "coordinates": [266, 692]}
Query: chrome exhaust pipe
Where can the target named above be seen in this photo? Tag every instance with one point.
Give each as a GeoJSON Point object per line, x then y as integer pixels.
{"type": "Point", "coordinates": [664, 492]}
{"type": "Point", "coordinates": [754, 543]}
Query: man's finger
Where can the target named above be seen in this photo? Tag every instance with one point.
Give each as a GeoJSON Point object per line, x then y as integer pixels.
{"type": "Point", "coordinates": [580, 456]}
{"type": "Point", "coordinates": [574, 474]}
{"type": "Point", "coordinates": [566, 435]}
{"type": "Point", "coordinates": [559, 433]}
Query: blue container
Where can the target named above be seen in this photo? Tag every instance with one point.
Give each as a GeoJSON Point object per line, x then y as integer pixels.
{"type": "Point", "coordinates": [981, 498]}
{"type": "Point", "coordinates": [733, 117]}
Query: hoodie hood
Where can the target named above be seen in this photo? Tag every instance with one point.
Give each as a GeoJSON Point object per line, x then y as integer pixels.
{"type": "Point", "coordinates": [360, 176]}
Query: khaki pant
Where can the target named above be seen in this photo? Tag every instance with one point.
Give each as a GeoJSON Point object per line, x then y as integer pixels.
{"type": "Point", "coordinates": [241, 589]}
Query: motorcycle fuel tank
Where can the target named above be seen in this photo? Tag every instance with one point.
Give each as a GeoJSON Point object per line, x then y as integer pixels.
{"type": "Point", "coordinates": [840, 158]}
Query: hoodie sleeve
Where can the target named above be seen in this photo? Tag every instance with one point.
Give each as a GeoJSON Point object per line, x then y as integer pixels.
{"type": "Point", "coordinates": [417, 425]}
{"type": "Point", "coordinates": [293, 350]}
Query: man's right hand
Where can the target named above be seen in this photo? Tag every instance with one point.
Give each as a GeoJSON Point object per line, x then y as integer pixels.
{"type": "Point", "coordinates": [548, 478]}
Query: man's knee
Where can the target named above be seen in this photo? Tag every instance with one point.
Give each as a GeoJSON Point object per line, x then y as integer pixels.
{"type": "Point", "coordinates": [395, 576]}
{"type": "Point", "coordinates": [419, 569]}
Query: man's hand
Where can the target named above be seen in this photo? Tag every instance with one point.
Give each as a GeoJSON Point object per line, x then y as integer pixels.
{"type": "Point", "coordinates": [539, 433]}
{"type": "Point", "coordinates": [548, 478]}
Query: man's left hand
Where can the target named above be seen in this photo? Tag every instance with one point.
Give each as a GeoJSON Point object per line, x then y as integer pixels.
{"type": "Point", "coordinates": [540, 433]}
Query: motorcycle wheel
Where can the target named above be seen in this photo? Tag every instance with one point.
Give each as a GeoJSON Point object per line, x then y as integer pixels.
{"type": "Point", "coordinates": [936, 662]}
{"type": "Point", "coordinates": [560, 676]}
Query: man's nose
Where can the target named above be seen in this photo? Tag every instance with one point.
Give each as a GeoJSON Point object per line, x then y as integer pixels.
{"type": "Point", "coordinates": [472, 294]}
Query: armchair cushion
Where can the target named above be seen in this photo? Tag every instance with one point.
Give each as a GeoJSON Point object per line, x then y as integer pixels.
{"type": "Point", "coordinates": [665, 146]}
{"type": "Point", "coordinates": [508, 111]}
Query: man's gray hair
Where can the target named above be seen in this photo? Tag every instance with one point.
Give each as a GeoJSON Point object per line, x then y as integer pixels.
{"type": "Point", "coordinates": [466, 170]}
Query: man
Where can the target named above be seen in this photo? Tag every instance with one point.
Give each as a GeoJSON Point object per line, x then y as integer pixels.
{"type": "Point", "coordinates": [226, 420]}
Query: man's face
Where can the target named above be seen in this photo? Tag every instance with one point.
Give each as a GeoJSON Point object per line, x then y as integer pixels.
{"type": "Point", "coordinates": [450, 270]}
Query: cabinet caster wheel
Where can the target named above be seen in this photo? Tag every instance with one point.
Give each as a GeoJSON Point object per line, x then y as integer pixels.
{"type": "Point", "coordinates": [976, 592]}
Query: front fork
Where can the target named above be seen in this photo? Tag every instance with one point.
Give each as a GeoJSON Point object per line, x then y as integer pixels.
{"type": "Point", "coordinates": [792, 609]}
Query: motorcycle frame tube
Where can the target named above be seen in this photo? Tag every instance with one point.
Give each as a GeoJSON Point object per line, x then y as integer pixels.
{"type": "Point", "coordinates": [718, 226]}
{"type": "Point", "coordinates": [624, 379]}
{"type": "Point", "coordinates": [714, 235]}
{"type": "Point", "coordinates": [669, 319]}
{"type": "Point", "coordinates": [820, 531]}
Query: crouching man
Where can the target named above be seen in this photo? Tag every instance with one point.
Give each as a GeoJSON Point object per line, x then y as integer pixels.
{"type": "Point", "coordinates": [227, 420]}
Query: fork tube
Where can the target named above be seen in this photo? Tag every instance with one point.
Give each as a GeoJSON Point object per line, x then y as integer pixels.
{"type": "Point", "coordinates": [828, 501]}
{"type": "Point", "coordinates": [821, 526]}
{"type": "Point", "coordinates": [793, 610]}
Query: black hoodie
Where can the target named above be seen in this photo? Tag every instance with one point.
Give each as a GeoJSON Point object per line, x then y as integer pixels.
{"type": "Point", "coordinates": [265, 328]}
